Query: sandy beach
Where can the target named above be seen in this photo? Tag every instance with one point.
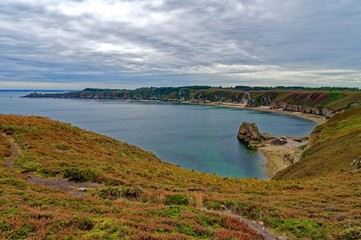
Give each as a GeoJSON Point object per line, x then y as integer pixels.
{"type": "Point", "coordinates": [278, 157]}
{"type": "Point", "coordinates": [315, 118]}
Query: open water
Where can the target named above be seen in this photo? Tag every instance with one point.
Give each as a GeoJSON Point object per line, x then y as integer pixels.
{"type": "Point", "coordinates": [196, 137]}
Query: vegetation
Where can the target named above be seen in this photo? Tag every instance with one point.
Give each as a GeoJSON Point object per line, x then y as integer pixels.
{"type": "Point", "coordinates": [330, 97]}
{"type": "Point", "coordinates": [335, 145]}
{"type": "Point", "coordinates": [247, 88]}
{"type": "Point", "coordinates": [138, 196]}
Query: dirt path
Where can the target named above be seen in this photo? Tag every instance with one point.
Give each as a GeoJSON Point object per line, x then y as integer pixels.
{"type": "Point", "coordinates": [258, 227]}
{"type": "Point", "coordinates": [9, 161]}
{"type": "Point", "coordinates": [73, 188]}
{"type": "Point", "coordinates": [279, 157]}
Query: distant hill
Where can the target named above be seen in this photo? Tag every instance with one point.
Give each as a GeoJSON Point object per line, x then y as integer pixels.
{"type": "Point", "coordinates": [321, 101]}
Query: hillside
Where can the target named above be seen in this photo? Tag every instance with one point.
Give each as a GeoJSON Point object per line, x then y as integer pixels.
{"type": "Point", "coordinates": [317, 101]}
{"type": "Point", "coordinates": [334, 146]}
{"type": "Point", "coordinates": [130, 193]}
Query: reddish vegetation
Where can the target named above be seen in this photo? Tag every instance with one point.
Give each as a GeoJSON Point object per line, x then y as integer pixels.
{"type": "Point", "coordinates": [135, 187]}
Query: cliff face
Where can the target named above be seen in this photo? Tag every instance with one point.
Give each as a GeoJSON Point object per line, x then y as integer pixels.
{"type": "Point", "coordinates": [333, 147]}
{"type": "Point", "coordinates": [324, 103]}
{"type": "Point", "coordinates": [249, 134]}
{"type": "Point", "coordinates": [303, 109]}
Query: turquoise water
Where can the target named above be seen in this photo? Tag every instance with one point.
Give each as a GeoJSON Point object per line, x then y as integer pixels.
{"type": "Point", "coordinates": [196, 137]}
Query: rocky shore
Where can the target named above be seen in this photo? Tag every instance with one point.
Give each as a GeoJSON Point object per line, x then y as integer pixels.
{"type": "Point", "coordinates": [280, 152]}
{"type": "Point", "coordinates": [311, 104]}
{"type": "Point", "coordinates": [319, 119]}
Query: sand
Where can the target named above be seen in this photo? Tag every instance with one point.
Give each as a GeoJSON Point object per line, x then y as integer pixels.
{"type": "Point", "coordinates": [274, 154]}
{"type": "Point", "coordinates": [315, 118]}
{"type": "Point", "coordinates": [280, 157]}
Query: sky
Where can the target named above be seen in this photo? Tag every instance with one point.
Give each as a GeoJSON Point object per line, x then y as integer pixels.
{"type": "Point", "coordinates": [74, 44]}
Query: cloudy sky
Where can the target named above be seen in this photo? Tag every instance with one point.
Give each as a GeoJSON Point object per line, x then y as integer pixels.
{"type": "Point", "coordinates": [73, 44]}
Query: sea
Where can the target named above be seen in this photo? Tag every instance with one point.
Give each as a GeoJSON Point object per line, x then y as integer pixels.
{"type": "Point", "coordinates": [196, 137]}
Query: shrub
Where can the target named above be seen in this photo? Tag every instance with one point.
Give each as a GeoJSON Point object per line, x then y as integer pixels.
{"type": "Point", "coordinates": [74, 174]}
{"type": "Point", "coordinates": [213, 205]}
{"type": "Point", "coordinates": [110, 193]}
{"type": "Point", "coordinates": [84, 224]}
{"type": "Point", "coordinates": [293, 187]}
{"type": "Point", "coordinates": [23, 232]}
{"type": "Point", "coordinates": [302, 147]}
{"type": "Point", "coordinates": [126, 192]}
{"type": "Point", "coordinates": [9, 130]}
{"type": "Point", "coordinates": [351, 233]}
{"type": "Point", "coordinates": [131, 193]}
{"type": "Point", "coordinates": [236, 207]}
{"type": "Point", "coordinates": [176, 200]}
{"type": "Point", "coordinates": [300, 228]}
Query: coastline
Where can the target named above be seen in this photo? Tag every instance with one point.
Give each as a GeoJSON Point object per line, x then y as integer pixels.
{"type": "Point", "coordinates": [277, 157]}
{"type": "Point", "coordinates": [273, 154]}
{"type": "Point", "coordinates": [315, 118]}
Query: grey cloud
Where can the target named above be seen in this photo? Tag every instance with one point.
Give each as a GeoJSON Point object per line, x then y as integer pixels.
{"type": "Point", "coordinates": [144, 43]}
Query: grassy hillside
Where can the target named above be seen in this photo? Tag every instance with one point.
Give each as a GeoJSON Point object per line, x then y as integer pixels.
{"type": "Point", "coordinates": [332, 98]}
{"type": "Point", "coordinates": [335, 144]}
{"type": "Point", "coordinates": [137, 196]}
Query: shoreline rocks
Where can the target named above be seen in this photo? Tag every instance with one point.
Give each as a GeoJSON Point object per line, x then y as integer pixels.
{"type": "Point", "coordinates": [280, 152]}
{"type": "Point", "coordinates": [249, 134]}
{"type": "Point", "coordinates": [327, 113]}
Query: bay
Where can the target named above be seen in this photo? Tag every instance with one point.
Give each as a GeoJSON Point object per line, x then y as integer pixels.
{"type": "Point", "coordinates": [197, 137]}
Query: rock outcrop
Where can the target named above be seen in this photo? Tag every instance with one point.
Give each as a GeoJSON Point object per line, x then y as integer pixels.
{"type": "Point", "coordinates": [303, 109]}
{"type": "Point", "coordinates": [279, 141]}
{"type": "Point", "coordinates": [246, 98]}
{"type": "Point", "coordinates": [249, 134]}
{"type": "Point", "coordinates": [265, 100]}
{"type": "Point", "coordinates": [280, 152]}
{"type": "Point", "coordinates": [356, 164]}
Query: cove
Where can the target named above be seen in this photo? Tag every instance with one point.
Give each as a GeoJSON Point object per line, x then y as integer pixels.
{"type": "Point", "coordinates": [197, 137]}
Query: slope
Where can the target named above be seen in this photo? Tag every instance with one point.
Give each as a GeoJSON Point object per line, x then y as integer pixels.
{"type": "Point", "coordinates": [137, 196]}
{"type": "Point", "coordinates": [334, 146]}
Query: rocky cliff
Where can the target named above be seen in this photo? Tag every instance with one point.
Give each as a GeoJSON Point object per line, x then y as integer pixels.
{"type": "Point", "coordinates": [334, 147]}
{"type": "Point", "coordinates": [303, 109]}
{"type": "Point", "coordinates": [319, 102]}
{"type": "Point", "coordinates": [249, 134]}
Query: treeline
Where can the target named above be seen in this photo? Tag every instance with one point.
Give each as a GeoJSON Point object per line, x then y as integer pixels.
{"type": "Point", "coordinates": [253, 96]}
{"type": "Point", "coordinates": [248, 88]}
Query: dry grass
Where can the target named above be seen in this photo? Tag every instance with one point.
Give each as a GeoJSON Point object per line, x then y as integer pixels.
{"type": "Point", "coordinates": [4, 147]}
{"type": "Point", "coordinates": [136, 186]}
{"type": "Point", "coordinates": [335, 145]}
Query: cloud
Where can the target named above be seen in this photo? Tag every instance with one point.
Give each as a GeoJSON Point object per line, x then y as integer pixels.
{"type": "Point", "coordinates": [167, 42]}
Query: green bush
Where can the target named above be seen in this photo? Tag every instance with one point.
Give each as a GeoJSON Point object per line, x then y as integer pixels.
{"type": "Point", "coordinates": [176, 200]}
{"type": "Point", "coordinates": [300, 228]}
{"type": "Point", "coordinates": [213, 205]}
{"type": "Point", "coordinates": [236, 207]}
{"type": "Point", "coordinates": [9, 130]}
{"type": "Point", "coordinates": [22, 232]}
{"type": "Point", "coordinates": [293, 187]}
{"type": "Point", "coordinates": [302, 147]}
{"type": "Point", "coordinates": [131, 193]}
{"type": "Point", "coordinates": [83, 224]}
{"type": "Point", "coordinates": [352, 233]}
{"type": "Point", "coordinates": [74, 174]}
{"type": "Point", "coordinates": [110, 193]}
{"type": "Point", "coordinates": [125, 192]}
